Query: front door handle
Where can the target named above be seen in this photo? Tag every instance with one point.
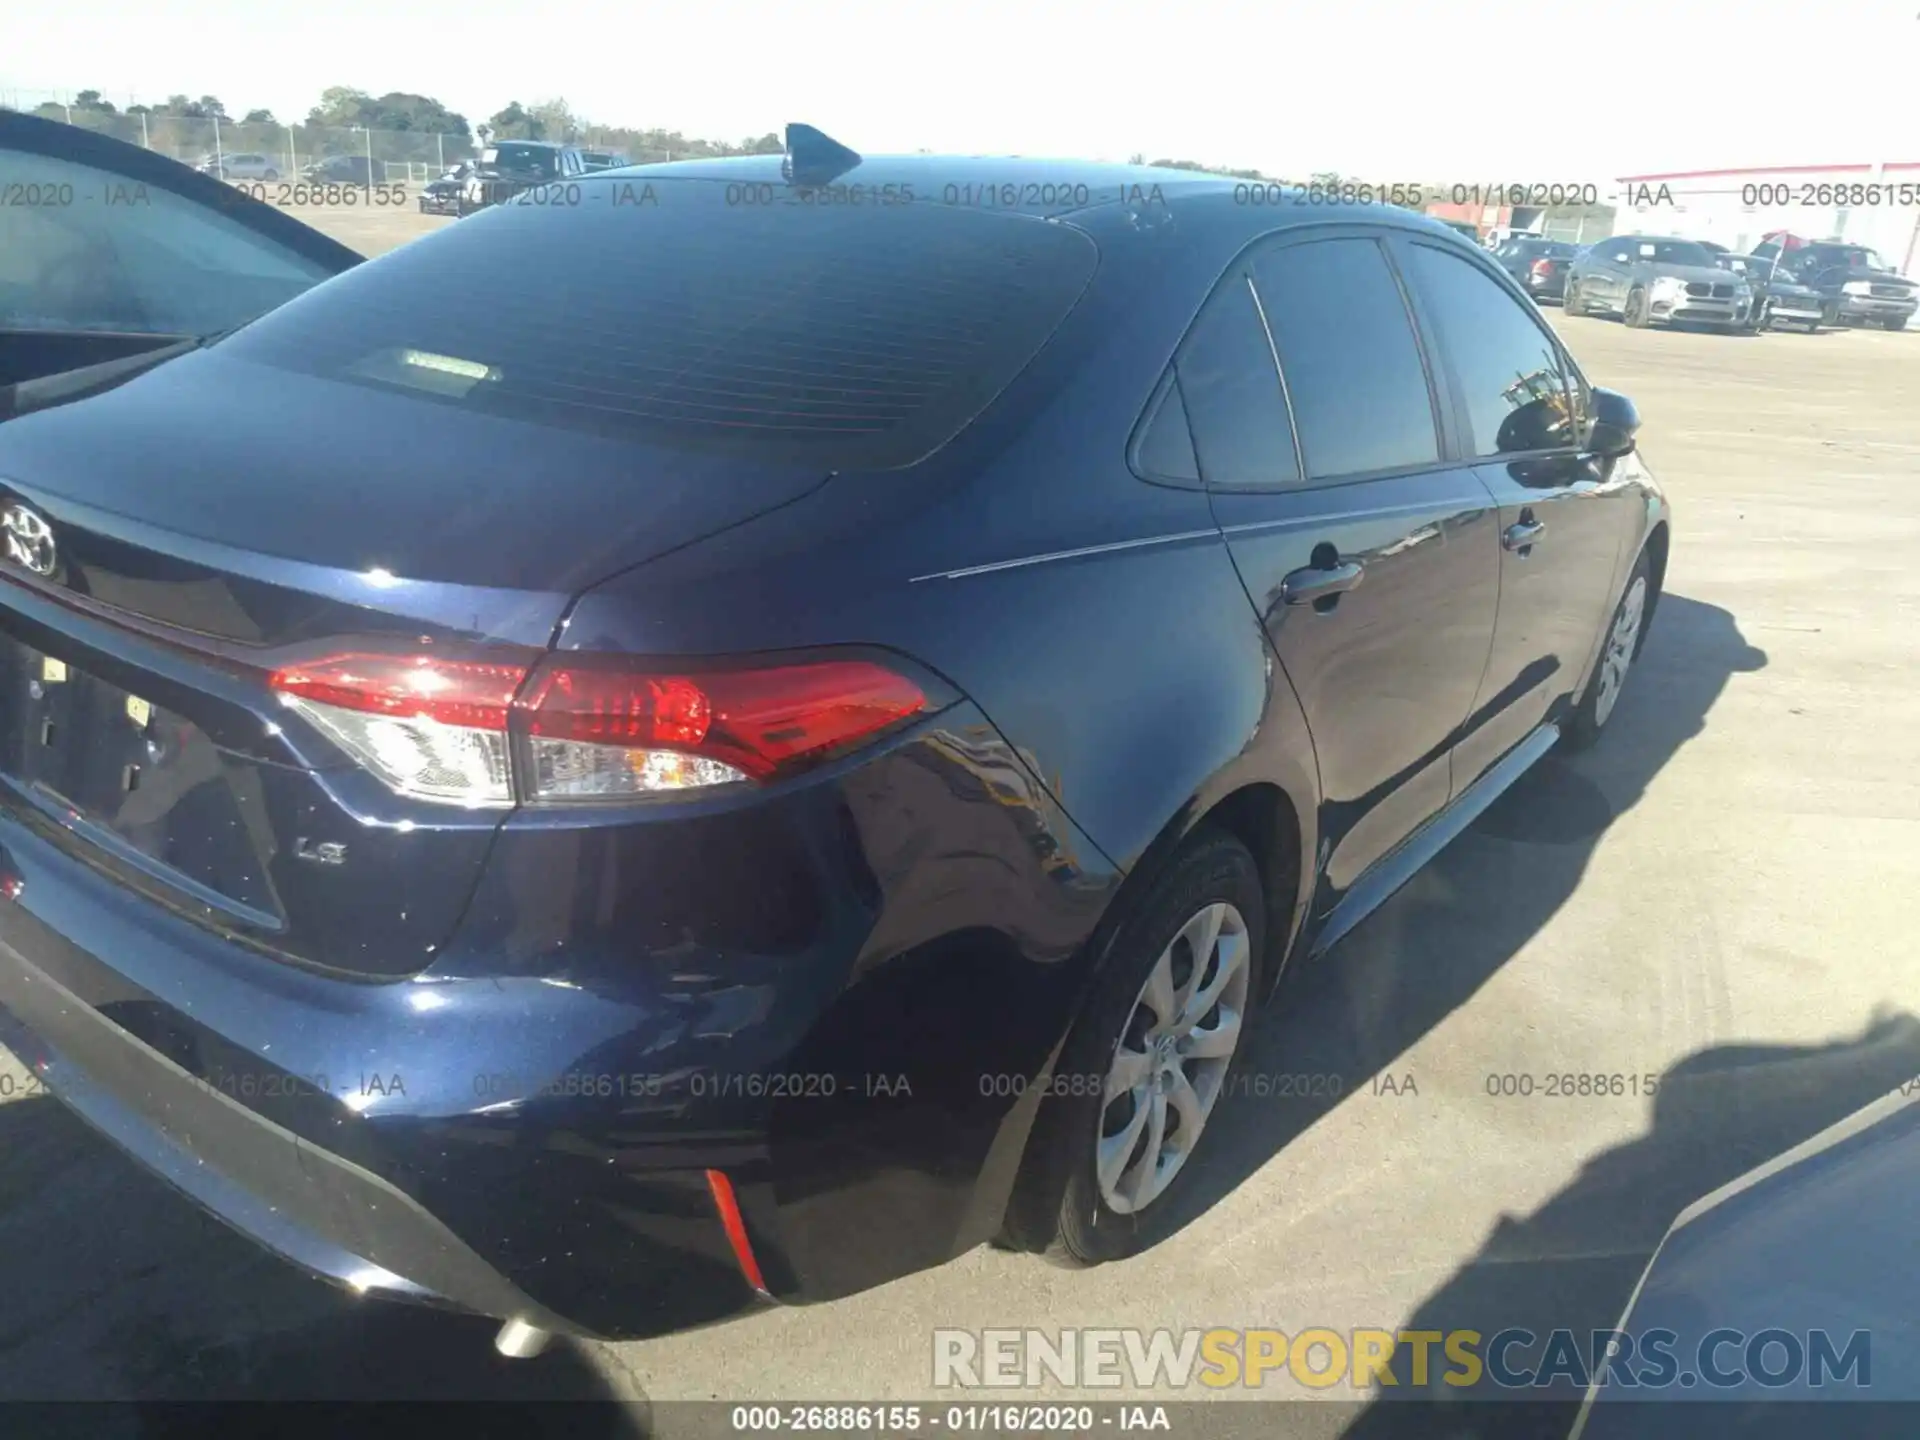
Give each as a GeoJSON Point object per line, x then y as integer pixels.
{"type": "Point", "coordinates": [1521, 536]}
{"type": "Point", "coordinates": [1303, 587]}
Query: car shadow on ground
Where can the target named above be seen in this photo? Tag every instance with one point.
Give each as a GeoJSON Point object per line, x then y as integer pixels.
{"type": "Point", "coordinates": [117, 1289]}
{"type": "Point", "coordinates": [1337, 1025]}
{"type": "Point", "coordinates": [1573, 1262]}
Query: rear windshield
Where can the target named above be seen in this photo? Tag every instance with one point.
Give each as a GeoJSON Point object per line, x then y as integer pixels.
{"type": "Point", "coordinates": [855, 337]}
{"type": "Point", "coordinates": [519, 157]}
{"type": "Point", "coordinates": [1551, 249]}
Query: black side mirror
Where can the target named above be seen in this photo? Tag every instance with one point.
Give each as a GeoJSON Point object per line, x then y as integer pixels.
{"type": "Point", "coordinates": [1615, 423]}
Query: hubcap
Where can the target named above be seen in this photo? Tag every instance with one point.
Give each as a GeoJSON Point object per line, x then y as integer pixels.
{"type": "Point", "coordinates": [1620, 646]}
{"type": "Point", "coordinates": [1172, 1058]}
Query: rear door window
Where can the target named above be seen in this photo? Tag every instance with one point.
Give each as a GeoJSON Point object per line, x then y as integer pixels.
{"type": "Point", "coordinates": [849, 337]}
{"type": "Point", "coordinates": [96, 252]}
{"type": "Point", "coordinates": [1234, 403]}
{"type": "Point", "coordinates": [1353, 369]}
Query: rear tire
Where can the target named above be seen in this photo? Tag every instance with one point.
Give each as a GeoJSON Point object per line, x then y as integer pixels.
{"type": "Point", "coordinates": [1626, 634]}
{"type": "Point", "coordinates": [1571, 301]}
{"type": "Point", "coordinates": [1634, 316]}
{"type": "Point", "coordinates": [1196, 939]}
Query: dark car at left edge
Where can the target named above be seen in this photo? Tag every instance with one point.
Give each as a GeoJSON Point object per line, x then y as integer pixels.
{"type": "Point", "coordinates": [1538, 264]}
{"type": "Point", "coordinates": [748, 776]}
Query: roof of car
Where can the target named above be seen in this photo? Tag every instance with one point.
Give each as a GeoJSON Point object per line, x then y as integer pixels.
{"type": "Point", "coordinates": [1043, 187]}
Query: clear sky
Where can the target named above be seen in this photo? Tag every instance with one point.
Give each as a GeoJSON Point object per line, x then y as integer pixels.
{"type": "Point", "coordinates": [1489, 90]}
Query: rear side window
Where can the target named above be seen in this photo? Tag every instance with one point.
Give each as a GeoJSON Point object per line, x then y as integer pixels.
{"type": "Point", "coordinates": [1514, 384]}
{"type": "Point", "coordinates": [1234, 403]}
{"type": "Point", "coordinates": [1353, 370]}
{"type": "Point", "coordinates": [853, 337]}
{"type": "Point", "coordinates": [1166, 442]}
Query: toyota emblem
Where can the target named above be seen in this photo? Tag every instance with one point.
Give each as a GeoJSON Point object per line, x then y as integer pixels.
{"type": "Point", "coordinates": [29, 538]}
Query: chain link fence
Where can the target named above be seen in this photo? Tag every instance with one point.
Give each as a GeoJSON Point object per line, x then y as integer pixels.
{"type": "Point", "coordinates": [273, 151]}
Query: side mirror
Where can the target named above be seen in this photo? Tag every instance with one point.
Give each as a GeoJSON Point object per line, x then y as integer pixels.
{"type": "Point", "coordinates": [1615, 423]}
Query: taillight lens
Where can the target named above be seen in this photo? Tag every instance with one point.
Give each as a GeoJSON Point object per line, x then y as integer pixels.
{"type": "Point", "coordinates": [1543, 267]}
{"type": "Point", "coordinates": [444, 729]}
{"type": "Point", "coordinates": [428, 727]}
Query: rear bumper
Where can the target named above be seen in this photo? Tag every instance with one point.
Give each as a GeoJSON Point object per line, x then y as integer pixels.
{"type": "Point", "coordinates": [1796, 312]}
{"type": "Point", "coordinates": [322, 1213]}
{"type": "Point", "coordinates": [835, 997]}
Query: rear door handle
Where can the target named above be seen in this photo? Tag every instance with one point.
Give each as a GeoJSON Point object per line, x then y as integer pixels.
{"type": "Point", "coordinates": [1519, 537]}
{"type": "Point", "coordinates": [1303, 587]}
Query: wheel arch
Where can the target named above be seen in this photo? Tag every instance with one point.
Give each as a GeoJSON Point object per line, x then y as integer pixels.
{"type": "Point", "coordinates": [1274, 825]}
{"type": "Point", "coordinates": [1656, 548]}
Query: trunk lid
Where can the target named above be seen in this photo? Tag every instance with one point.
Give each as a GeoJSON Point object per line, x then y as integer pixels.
{"type": "Point", "coordinates": [173, 540]}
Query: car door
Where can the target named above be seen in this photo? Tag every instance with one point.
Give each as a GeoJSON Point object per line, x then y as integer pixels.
{"type": "Point", "coordinates": [1372, 561]}
{"type": "Point", "coordinates": [1603, 277]}
{"type": "Point", "coordinates": [1518, 406]}
{"type": "Point", "coordinates": [108, 250]}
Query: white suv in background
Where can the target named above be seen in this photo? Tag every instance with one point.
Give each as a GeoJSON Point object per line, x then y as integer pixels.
{"type": "Point", "coordinates": [241, 165]}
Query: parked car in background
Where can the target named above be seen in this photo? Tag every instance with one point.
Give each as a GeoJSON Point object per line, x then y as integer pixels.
{"type": "Point", "coordinates": [1539, 265]}
{"type": "Point", "coordinates": [442, 196]}
{"type": "Point", "coordinates": [604, 159]}
{"type": "Point", "coordinates": [1861, 288]}
{"type": "Point", "coordinates": [344, 170]}
{"type": "Point", "coordinates": [640, 887]}
{"type": "Point", "coordinates": [241, 165]}
{"type": "Point", "coordinates": [507, 169]}
{"type": "Point", "coordinates": [1779, 301]}
{"type": "Point", "coordinates": [1652, 279]}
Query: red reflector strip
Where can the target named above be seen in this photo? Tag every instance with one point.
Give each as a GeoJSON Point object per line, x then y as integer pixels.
{"type": "Point", "coordinates": [736, 1228]}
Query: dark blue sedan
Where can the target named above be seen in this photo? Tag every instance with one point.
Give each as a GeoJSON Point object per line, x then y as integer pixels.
{"type": "Point", "coordinates": [739, 732]}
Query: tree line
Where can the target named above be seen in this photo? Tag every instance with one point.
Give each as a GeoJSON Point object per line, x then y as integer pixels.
{"type": "Point", "coordinates": [341, 107]}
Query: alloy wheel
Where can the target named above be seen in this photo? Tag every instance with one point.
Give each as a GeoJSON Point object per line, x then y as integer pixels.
{"type": "Point", "coordinates": [1621, 642]}
{"type": "Point", "coordinates": [1171, 1063]}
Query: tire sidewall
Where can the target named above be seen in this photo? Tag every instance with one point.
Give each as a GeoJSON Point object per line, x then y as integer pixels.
{"type": "Point", "coordinates": [1586, 725]}
{"type": "Point", "coordinates": [1214, 867]}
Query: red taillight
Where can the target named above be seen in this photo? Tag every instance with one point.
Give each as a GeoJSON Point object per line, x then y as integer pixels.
{"type": "Point", "coordinates": [454, 692]}
{"type": "Point", "coordinates": [754, 720]}
{"type": "Point", "coordinates": [594, 730]}
{"type": "Point", "coordinates": [1543, 267]}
